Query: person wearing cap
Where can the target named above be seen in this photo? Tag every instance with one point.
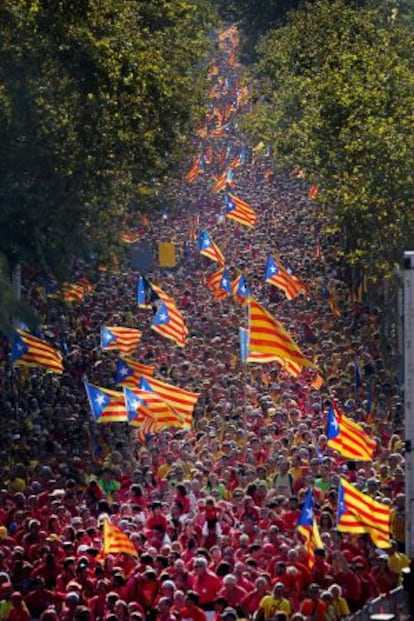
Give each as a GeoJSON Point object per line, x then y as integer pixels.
{"type": "Point", "coordinates": [270, 604]}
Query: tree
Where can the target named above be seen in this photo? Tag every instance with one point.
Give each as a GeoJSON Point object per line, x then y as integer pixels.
{"type": "Point", "coordinates": [96, 98]}
{"type": "Point", "coordinates": [337, 98]}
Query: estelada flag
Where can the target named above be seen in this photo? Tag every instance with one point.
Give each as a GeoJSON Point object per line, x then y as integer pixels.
{"type": "Point", "coordinates": [182, 401]}
{"type": "Point", "coordinates": [125, 340]}
{"type": "Point", "coordinates": [359, 513]}
{"type": "Point", "coordinates": [30, 351]}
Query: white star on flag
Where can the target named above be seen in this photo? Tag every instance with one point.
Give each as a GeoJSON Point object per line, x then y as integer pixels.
{"type": "Point", "coordinates": [100, 400]}
{"type": "Point", "coordinates": [123, 371]}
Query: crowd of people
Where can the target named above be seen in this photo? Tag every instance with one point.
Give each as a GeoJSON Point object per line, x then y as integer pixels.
{"type": "Point", "coordinates": [212, 511]}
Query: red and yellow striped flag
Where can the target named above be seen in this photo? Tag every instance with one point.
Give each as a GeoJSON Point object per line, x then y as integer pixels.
{"type": "Point", "coordinates": [129, 371]}
{"type": "Point", "coordinates": [169, 322]}
{"type": "Point", "coordinates": [115, 541]}
{"type": "Point", "coordinates": [129, 237]}
{"type": "Point", "coordinates": [182, 401]}
{"type": "Point", "coordinates": [359, 513]}
{"type": "Point", "coordinates": [317, 382]}
{"type": "Point", "coordinates": [349, 438]}
{"type": "Point", "coordinates": [29, 351]}
{"type": "Point", "coordinates": [125, 340]}
{"type": "Point", "coordinates": [240, 211]}
{"type": "Point", "coordinates": [267, 336]}
{"type": "Point", "coordinates": [72, 292]}
{"type": "Point", "coordinates": [142, 402]}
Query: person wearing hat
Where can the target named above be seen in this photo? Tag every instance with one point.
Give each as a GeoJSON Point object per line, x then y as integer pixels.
{"type": "Point", "coordinates": [270, 604]}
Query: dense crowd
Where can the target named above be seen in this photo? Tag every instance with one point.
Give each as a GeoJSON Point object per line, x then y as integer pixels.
{"type": "Point", "coordinates": [212, 511]}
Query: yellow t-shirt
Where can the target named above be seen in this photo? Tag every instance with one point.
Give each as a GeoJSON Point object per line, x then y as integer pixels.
{"type": "Point", "coordinates": [269, 604]}
{"type": "Point", "coordinates": [341, 607]}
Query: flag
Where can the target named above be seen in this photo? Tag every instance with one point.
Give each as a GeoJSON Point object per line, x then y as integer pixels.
{"type": "Point", "coordinates": [51, 289]}
{"type": "Point", "coordinates": [317, 382]}
{"type": "Point", "coordinates": [304, 287]}
{"type": "Point", "coordinates": [359, 513]}
{"type": "Point", "coordinates": [87, 287]}
{"type": "Point", "coordinates": [221, 182]}
{"type": "Point", "coordinates": [148, 293]}
{"type": "Point", "coordinates": [194, 171]}
{"type": "Point", "coordinates": [182, 401]}
{"type": "Point", "coordinates": [169, 322]}
{"type": "Point", "coordinates": [348, 438]}
{"type": "Point", "coordinates": [115, 541]}
{"type": "Point", "coordinates": [259, 358]}
{"type": "Point", "coordinates": [238, 210]}
{"type": "Point", "coordinates": [275, 274]}
{"type": "Point", "coordinates": [30, 351]}
{"type": "Point", "coordinates": [219, 284]}
{"type": "Point", "coordinates": [313, 191]}
{"type": "Point", "coordinates": [259, 147]}
{"type": "Point", "coordinates": [330, 299]}
{"type": "Point", "coordinates": [267, 336]}
{"type": "Point", "coordinates": [129, 371]}
{"type": "Point", "coordinates": [241, 290]}
{"type": "Point", "coordinates": [122, 339]}
{"type": "Point", "coordinates": [209, 249]}
{"type": "Point", "coordinates": [129, 237]}
{"type": "Point", "coordinates": [107, 406]}
{"type": "Point", "coordinates": [143, 401]}
{"type": "Point", "coordinates": [308, 528]}
{"type": "Point", "coordinates": [72, 292]}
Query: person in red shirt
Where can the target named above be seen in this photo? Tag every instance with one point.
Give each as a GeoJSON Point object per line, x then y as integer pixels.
{"type": "Point", "coordinates": [192, 610]}
{"type": "Point", "coordinates": [97, 603]}
{"type": "Point", "coordinates": [291, 516]}
{"type": "Point", "coordinates": [312, 607]}
{"type": "Point", "coordinates": [250, 602]}
{"type": "Point", "coordinates": [206, 585]}
{"type": "Point", "coordinates": [385, 578]}
{"type": "Point", "coordinates": [231, 591]}
{"type": "Point", "coordinates": [156, 520]}
{"type": "Point", "coordinates": [19, 611]}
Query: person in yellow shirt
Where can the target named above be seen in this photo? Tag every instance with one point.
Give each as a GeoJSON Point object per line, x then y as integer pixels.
{"type": "Point", "coordinates": [339, 603]}
{"type": "Point", "coordinates": [272, 603]}
{"type": "Point", "coordinates": [397, 561]}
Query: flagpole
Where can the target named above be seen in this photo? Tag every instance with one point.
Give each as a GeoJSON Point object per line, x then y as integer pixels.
{"type": "Point", "coordinates": [244, 378]}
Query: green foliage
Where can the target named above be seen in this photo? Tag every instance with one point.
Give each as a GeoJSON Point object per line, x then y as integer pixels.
{"type": "Point", "coordinates": [96, 100]}
{"type": "Point", "coordinates": [338, 101]}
